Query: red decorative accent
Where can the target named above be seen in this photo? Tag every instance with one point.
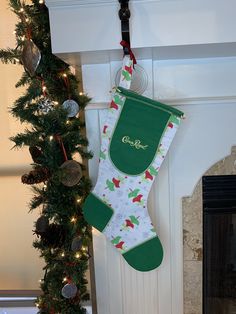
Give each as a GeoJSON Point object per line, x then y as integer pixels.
{"type": "Point", "coordinates": [120, 245]}
{"type": "Point", "coordinates": [116, 182]}
{"type": "Point", "coordinates": [59, 140]}
{"type": "Point", "coordinates": [170, 125]}
{"type": "Point", "coordinates": [137, 198]}
{"type": "Point", "coordinates": [129, 223]}
{"type": "Point", "coordinates": [129, 69]}
{"type": "Point", "coordinates": [105, 129]}
{"type": "Point", "coordinates": [148, 175]}
{"type": "Point", "coordinates": [126, 45]}
{"type": "Point", "coordinates": [43, 88]}
{"type": "Point", "coordinates": [67, 84]}
{"type": "Point", "coordinates": [114, 105]}
{"type": "Point", "coordinates": [28, 33]}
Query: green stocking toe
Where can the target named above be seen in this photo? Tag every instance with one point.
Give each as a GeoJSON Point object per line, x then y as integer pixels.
{"type": "Point", "coordinates": [146, 256]}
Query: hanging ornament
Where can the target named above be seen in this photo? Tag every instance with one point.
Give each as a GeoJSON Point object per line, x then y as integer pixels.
{"type": "Point", "coordinates": [69, 291]}
{"type": "Point", "coordinates": [38, 175]}
{"type": "Point", "coordinates": [35, 153]}
{"type": "Point", "coordinates": [41, 225]}
{"type": "Point", "coordinates": [71, 173]}
{"type": "Point", "coordinates": [76, 244]}
{"type": "Point", "coordinates": [71, 107]}
{"type": "Point", "coordinates": [71, 169]}
{"type": "Point", "coordinates": [45, 105]}
{"type": "Point", "coordinates": [31, 57]}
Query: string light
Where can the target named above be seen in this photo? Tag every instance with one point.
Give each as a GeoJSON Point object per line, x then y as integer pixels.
{"type": "Point", "coordinates": [37, 304]}
{"type": "Point", "coordinates": [73, 219]}
{"type": "Point", "coordinates": [79, 200]}
{"type": "Point", "coordinates": [62, 254]}
{"type": "Point", "coordinates": [41, 1]}
{"type": "Point", "coordinates": [44, 88]}
{"type": "Point", "coordinates": [56, 102]}
{"type": "Point", "coordinates": [64, 75]}
{"type": "Point", "coordinates": [45, 185]}
{"type": "Point", "coordinates": [64, 279]}
{"type": "Point", "coordinates": [84, 248]}
{"type": "Point", "coordinates": [50, 138]}
{"type": "Point", "coordinates": [77, 255]}
{"type": "Point", "coordinates": [27, 19]}
{"type": "Point", "coordinates": [21, 10]}
{"type": "Point", "coordinates": [81, 93]}
{"type": "Point", "coordinates": [68, 121]}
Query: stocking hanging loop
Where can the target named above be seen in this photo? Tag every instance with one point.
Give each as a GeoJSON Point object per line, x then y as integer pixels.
{"type": "Point", "coordinates": [124, 15]}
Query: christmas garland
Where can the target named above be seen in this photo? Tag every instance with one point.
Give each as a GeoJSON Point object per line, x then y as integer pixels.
{"type": "Point", "coordinates": [52, 106]}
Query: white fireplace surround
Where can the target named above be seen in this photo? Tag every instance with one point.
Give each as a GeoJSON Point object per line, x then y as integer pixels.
{"type": "Point", "coordinates": [88, 31]}
{"type": "Point", "coordinates": [187, 48]}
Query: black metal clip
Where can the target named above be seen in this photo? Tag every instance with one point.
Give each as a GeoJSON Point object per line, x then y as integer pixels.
{"type": "Point", "coordinates": [124, 15]}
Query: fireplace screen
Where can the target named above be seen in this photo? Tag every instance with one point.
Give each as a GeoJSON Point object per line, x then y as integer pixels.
{"type": "Point", "coordinates": [219, 244]}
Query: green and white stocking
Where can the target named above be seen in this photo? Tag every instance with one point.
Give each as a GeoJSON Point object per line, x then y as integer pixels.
{"type": "Point", "coordinates": [135, 139]}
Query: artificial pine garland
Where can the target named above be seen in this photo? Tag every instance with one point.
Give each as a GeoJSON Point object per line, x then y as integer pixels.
{"type": "Point", "coordinates": [55, 133]}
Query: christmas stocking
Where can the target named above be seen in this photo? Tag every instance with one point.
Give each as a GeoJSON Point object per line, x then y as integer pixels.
{"type": "Point", "coordinates": [135, 139]}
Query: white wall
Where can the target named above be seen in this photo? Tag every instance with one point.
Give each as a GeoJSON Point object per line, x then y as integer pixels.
{"type": "Point", "coordinates": [204, 89]}
{"type": "Point", "coordinates": [20, 265]}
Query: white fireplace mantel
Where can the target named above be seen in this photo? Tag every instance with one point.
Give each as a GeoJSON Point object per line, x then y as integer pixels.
{"type": "Point", "coordinates": [88, 31]}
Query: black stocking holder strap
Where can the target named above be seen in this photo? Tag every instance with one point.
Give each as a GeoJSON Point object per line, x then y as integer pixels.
{"type": "Point", "coordinates": [124, 15]}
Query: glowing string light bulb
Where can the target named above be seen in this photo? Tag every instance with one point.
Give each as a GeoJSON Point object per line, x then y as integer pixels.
{"type": "Point", "coordinates": [73, 219]}
{"type": "Point", "coordinates": [77, 255]}
{"type": "Point", "coordinates": [64, 279]}
{"type": "Point", "coordinates": [79, 200]}
{"type": "Point", "coordinates": [84, 248]}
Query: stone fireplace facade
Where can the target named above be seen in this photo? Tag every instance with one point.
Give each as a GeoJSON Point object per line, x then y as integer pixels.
{"type": "Point", "coordinates": [192, 236]}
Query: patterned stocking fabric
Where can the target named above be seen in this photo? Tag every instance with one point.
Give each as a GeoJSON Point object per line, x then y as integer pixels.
{"type": "Point", "coordinates": [135, 139]}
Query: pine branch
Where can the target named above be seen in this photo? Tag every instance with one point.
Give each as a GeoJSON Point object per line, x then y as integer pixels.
{"type": "Point", "coordinates": [58, 203]}
{"type": "Point", "coordinates": [9, 56]}
{"type": "Point", "coordinates": [24, 80]}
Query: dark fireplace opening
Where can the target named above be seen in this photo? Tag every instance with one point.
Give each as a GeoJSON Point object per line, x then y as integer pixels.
{"type": "Point", "coordinates": [219, 244]}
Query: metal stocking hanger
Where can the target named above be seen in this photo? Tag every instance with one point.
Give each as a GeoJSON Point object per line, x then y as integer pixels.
{"type": "Point", "coordinates": [140, 78]}
{"type": "Point", "coordinates": [124, 15]}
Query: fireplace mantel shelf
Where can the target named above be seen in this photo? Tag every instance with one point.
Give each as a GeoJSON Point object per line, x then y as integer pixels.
{"type": "Point", "coordinates": [88, 31]}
